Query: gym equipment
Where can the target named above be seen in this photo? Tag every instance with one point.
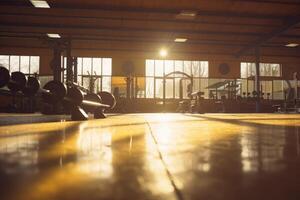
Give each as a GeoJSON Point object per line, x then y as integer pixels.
{"type": "Point", "coordinates": [89, 102]}
{"type": "Point", "coordinates": [15, 82]}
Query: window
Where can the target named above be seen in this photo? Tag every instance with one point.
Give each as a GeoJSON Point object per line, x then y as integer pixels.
{"type": "Point", "coordinates": [271, 88]}
{"type": "Point", "coordinates": [157, 69]}
{"type": "Point", "coordinates": [100, 69]}
{"type": "Point", "coordinates": [29, 65]}
{"type": "Point", "coordinates": [266, 69]}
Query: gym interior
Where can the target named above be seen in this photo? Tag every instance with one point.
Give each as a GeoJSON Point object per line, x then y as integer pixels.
{"type": "Point", "coordinates": [150, 100]}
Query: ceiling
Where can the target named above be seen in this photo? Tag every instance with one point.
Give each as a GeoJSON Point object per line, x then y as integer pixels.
{"type": "Point", "coordinates": [233, 27]}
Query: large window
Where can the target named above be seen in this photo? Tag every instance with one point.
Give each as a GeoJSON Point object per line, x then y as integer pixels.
{"type": "Point", "coordinates": [266, 69]}
{"type": "Point", "coordinates": [157, 69]}
{"type": "Point", "coordinates": [29, 65]}
{"type": "Point", "coordinates": [268, 83]}
{"type": "Point", "coordinates": [96, 71]}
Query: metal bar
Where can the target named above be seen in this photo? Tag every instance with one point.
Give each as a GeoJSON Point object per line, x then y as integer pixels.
{"type": "Point", "coordinates": [257, 78]}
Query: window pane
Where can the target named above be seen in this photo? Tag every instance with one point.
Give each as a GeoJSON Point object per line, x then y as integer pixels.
{"type": "Point", "coordinates": [244, 70]}
{"type": "Point", "coordinates": [87, 65]}
{"type": "Point", "coordinates": [4, 61]}
{"type": "Point", "coordinates": [278, 89]}
{"type": "Point", "coordinates": [24, 66]}
{"type": "Point", "coordinates": [276, 70]}
{"type": "Point", "coordinates": [97, 85]}
{"type": "Point", "coordinates": [196, 68]}
{"type": "Point", "coordinates": [149, 87]}
{"type": "Point", "coordinates": [149, 67]}
{"type": "Point", "coordinates": [79, 66]}
{"type": "Point", "coordinates": [34, 64]}
{"type": "Point", "coordinates": [97, 66]}
{"type": "Point", "coordinates": [159, 68]}
{"type": "Point", "coordinates": [204, 69]}
{"type": "Point", "coordinates": [159, 88]}
{"type": "Point", "coordinates": [106, 84]}
{"type": "Point", "coordinates": [178, 67]}
{"type": "Point", "coordinates": [169, 88]}
{"type": "Point", "coordinates": [106, 70]}
{"type": "Point", "coordinates": [86, 82]}
{"type": "Point", "coordinates": [177, 88]}
{"type": "Point", "coordinates": [187, 67]}
{"type": "Point", "coordinates": [14, 63]}
{"type": "Point", "coordinates": [169, 66]}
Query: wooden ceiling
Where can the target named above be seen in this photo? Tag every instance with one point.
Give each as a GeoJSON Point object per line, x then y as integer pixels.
{"type": "Point", "coordinates": [233, 27]}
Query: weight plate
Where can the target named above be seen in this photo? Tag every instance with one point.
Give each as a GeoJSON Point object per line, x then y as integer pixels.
{"type": "Point", "coordinates": [108, 98]}
{"type": "Point", "coordinates": [17, 81]}
{"type": "Point", "coordinates": [4, 76]}
{"type": "Point", "coordinates": [32, 86]}
{"type": "Point", "coordinates": [75, 95]}
{"type": "Point", "coordinates": [56, 92]}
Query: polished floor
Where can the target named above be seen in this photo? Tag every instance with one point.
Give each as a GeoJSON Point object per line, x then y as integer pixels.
{"type": "Point", "coordinates": [153, 156]}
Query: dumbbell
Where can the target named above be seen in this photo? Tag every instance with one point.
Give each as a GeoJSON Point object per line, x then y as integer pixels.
{"type": "Point", "coordinates": [89, 102]}
{"type": "Point", "coordinates": [14, 82]}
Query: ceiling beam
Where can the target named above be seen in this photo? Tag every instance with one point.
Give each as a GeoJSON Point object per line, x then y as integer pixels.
{"type": "Point", "coordinates": [59, 28]}
{"type": "Point", "coordinates": [68, 11]}
{"type": "Point", "coordinates": [138, 19]}
{"type": "Point", "coordinates": [288, 25]}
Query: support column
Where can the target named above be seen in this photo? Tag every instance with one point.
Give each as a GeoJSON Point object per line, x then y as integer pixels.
{"type": "Point", "coordinates": [56, 63]}
{"type": "Point", "coordinates": [69, 63]}
{"type": "Point", "coordinates": [257, 78]}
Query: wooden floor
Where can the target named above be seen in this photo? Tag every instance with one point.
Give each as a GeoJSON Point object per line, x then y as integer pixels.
{"type": "Point", "coordinates": [152, 156]}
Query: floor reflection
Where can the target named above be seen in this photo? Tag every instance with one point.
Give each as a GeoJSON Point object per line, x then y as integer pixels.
{"type": "Point", "coordinates": [94, 151]}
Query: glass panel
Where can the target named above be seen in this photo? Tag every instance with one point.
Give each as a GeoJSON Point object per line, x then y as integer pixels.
{"type": "Point", "coordinates": [266, 87]}
{"type": "Point", "coordinates": [159, 68]}
{"type": "Point", "coordinates": [203, 68]}
{"type": "Point", "coordinates": [169, 88]}
{"type": "Point", "coordinates": [169, 66]}
{"type": "Point", "coordinates": [14, 63]}
{"type": "Point", "coordinates": [196, 68]}
{"type": "Point", "coordinates": [106, 66]}
{"type": "Point", "coordinates": [276, 70]}
{"type": "Point", "coordinates": [203, 87]}
{"type": "Point", "coordinates": [187, 67]}
{"type": "Point", "coordinates": [79, 66]}
{"type": "Point", "coordinates": [177, 88]}
{"type": "Point", "coordinates": [250, 87]}
{"type": "Point", "coordinates": [244, 88]}
{"type": "Point", "coordinates": [278, 89]}
{"type": "Point", "coordinates": [149, 67]}
{"type": "Point", "coordinates": [244, 70]}
{"type": "Point", "coordinates": [149, 87]}
{"type": "Point", "coordinates": [4, 61]}
{"type": "Point", "coordinates": [24, 66]}
{"type": "Point", "coordinates": [178, 67]}
{"type": "Point", "coordinates": [79, 80]}
{"type": "Point", "coordinates": [97, 66]}
{"type": "Point", "coordinates": [86, 82]}
{"type": "Point", "coordinates": [185, 83]}
{"type": "Point", "coordinates": [106, 84]}
{"type": "Point", "coordinates": [158, 88]}
{"type": "Point", "coordinates": [196, 84]}
{"type": "Point", "coordinates": [97, 85]}
{"type": "Point", "coordinates": [87, 65]}
{"type": "Point", "coordinates": [34, 64]}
